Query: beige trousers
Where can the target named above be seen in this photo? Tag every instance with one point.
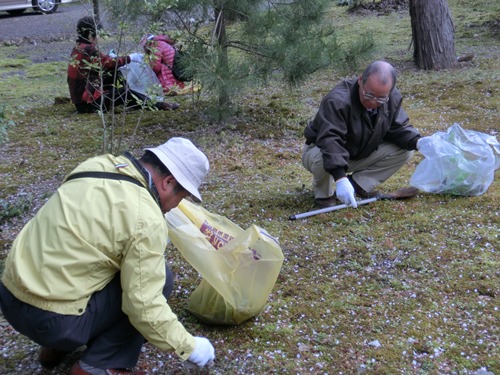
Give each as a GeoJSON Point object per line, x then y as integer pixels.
{"type": "Point", "coordinates": [368, 173]}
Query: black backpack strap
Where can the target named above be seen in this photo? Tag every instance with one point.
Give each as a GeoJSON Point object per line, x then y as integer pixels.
{"type": "Point", "coordinates": [108, 175]}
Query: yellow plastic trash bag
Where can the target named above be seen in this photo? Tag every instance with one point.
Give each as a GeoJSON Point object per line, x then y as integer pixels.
{"type": "Point", "coordinates": [239, 267]}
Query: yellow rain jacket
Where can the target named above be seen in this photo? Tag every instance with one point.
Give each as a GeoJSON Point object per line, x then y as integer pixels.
{"type": "Point", "coordinates": [89, 230]}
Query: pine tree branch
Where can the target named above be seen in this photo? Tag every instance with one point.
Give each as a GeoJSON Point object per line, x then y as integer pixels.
{"type": "Point", "coordinates": [245, 47]}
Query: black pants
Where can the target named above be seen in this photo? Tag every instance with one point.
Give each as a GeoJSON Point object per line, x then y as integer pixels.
{"type": "Point", "coordinates": [117, 96]}
{"type": "Point", "coordinates": [111, 341]}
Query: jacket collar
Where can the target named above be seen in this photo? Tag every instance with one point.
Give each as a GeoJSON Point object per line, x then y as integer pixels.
{"type": "Point", "coordinates": [147, 176]}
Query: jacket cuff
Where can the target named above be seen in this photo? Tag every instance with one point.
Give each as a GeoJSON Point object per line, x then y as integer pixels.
{"type": "Point", "coordinates": [185, 350]}
{"type": "Point", "coordinates": [413, 143]}
{"type": "Point", "coordinates": [338, 173]}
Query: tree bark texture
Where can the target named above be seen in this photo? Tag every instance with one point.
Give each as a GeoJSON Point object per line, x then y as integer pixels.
{"type": "Point", "coordinates": [97, 12]}
{"type": "Point", "coordinates": [432, 34]}
{"type": "Point", "coordinates": [220, 31]}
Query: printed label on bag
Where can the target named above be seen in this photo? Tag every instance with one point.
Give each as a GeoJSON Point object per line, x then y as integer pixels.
{"type": "Point", "coordinates": [218, 238]}
{"type": "Point", "coordinates": [215, 236]}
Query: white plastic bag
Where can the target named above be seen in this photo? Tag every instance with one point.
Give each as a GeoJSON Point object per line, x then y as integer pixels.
{"type": "Point", "coordinates": [141, 78]}
{"type": "Point", "coordinates": [457, 162]}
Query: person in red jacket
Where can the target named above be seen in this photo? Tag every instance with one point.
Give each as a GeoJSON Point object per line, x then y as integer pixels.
{"type": "Point", "coordinates": [161, 53]}
{"type": "Point", "coordinates": [92, 75]}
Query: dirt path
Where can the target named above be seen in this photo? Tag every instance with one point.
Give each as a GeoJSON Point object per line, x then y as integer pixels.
{"type": "Point", "coordinates": [31, 27]}
{"type": "Point", "coordinates": [42, 37]}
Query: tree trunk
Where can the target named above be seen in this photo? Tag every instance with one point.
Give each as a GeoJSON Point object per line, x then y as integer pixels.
{"type": "Point", "coordinates": [220, 31]}
{"type": "Point", "coordinates": [432, 34]}
{"type": "Point", "coordinates": [97, 13]}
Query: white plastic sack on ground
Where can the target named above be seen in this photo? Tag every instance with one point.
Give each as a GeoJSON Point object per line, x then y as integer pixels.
{"type": "Point", "coordinates": [239, 267]}
{"type": "Point", "coordinates": [457, 162]}
{"type": "Point", "coordinates": [141, 78]}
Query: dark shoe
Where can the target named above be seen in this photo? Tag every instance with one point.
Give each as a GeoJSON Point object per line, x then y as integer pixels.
{"type": "Point", "coordinates": [362, 192]}
{"type": "Point", "coordinates": [50, 358]}
{"type": "Point", "coordinates": [77, 370]}
{"type": "Point", "coordinates": [326, 202]}
{"type": "Point", "coordinates": [371, 194]}
{"type": "Point", "coordinates": [168, 106]}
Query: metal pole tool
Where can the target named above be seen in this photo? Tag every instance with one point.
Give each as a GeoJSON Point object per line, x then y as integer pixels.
{"type": "Point", "coordinates": [329, 209]}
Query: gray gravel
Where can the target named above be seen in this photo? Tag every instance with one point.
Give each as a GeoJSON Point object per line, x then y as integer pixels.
{"type": "Point", "coordinates": [31, 27]}
{"type": "Point", "coordinates": [42, 37]}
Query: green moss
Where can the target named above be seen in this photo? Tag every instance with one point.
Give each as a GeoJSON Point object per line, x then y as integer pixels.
{"type": "Point", "coordinates": [11, 64]}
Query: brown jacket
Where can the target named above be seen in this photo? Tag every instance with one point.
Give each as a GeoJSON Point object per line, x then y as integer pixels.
{"type": "Point", "coordinates": [343, 130]}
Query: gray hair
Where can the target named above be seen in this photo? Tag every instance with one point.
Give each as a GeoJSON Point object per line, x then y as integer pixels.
{"type": "Point", "coordinates": [382, 70]}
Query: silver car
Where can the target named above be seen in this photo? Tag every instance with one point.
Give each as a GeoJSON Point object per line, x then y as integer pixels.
{"type": "Point", "coordinates": [40, 6]}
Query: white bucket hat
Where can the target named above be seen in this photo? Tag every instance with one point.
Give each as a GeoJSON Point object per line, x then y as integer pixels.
{"type": "Point", "coordinates": [188, 164]}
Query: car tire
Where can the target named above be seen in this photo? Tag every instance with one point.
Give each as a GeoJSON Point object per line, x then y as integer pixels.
{"type": "Point", "coordinates": [45, 6]}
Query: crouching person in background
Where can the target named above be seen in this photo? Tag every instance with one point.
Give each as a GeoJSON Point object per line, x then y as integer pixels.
{"type": "Point", "coordinates": [92, 75]}
{"type": "Point", "coordinates": [89, 269]}
{"type": "Point", "coordinates": [160, 51]}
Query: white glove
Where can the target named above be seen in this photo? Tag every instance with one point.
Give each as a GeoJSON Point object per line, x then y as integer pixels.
{"type": "Point", "coordinates": [112, 53]}
{"type": "Point", "coordinates": [136, 57]}
{"type": "Point", "coordinates": [345, 192]}
{"type": "Point", "coordinates": [203, 352]}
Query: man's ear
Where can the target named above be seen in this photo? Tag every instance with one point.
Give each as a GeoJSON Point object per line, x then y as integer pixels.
{"type": "Point", "coordinates": [167, 181]}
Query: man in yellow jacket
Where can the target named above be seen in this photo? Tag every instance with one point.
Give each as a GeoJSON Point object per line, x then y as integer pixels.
{"type": "Point", "coordinates": [89, 268]}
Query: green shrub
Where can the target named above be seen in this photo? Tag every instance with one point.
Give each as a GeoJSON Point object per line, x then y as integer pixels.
{"type": "Point", "coordinates": [5, 124]}
{"type": "Point", "coordinates": [9, 209]}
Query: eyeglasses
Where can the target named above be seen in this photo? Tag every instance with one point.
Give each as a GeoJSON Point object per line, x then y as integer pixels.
{"type": "Point", "coordinates": [378, 99]}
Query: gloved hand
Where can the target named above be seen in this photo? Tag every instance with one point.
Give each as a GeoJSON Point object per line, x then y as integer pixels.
{"type": "Point", "coordinates": [112, 53]}
{"type": "Point", "coordinates": [136, 57]}
{"type": "Point", "coordinates": [203, 352]}
{"type": "Point", "coordinates": [345, 192]}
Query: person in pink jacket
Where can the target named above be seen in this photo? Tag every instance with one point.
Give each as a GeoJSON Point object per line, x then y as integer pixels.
{"type": "Point", "coordinates": [161, 53]}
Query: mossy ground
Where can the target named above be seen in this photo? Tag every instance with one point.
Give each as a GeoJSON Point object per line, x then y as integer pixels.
{"type": "Point", "coordinates": [393, 287]}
